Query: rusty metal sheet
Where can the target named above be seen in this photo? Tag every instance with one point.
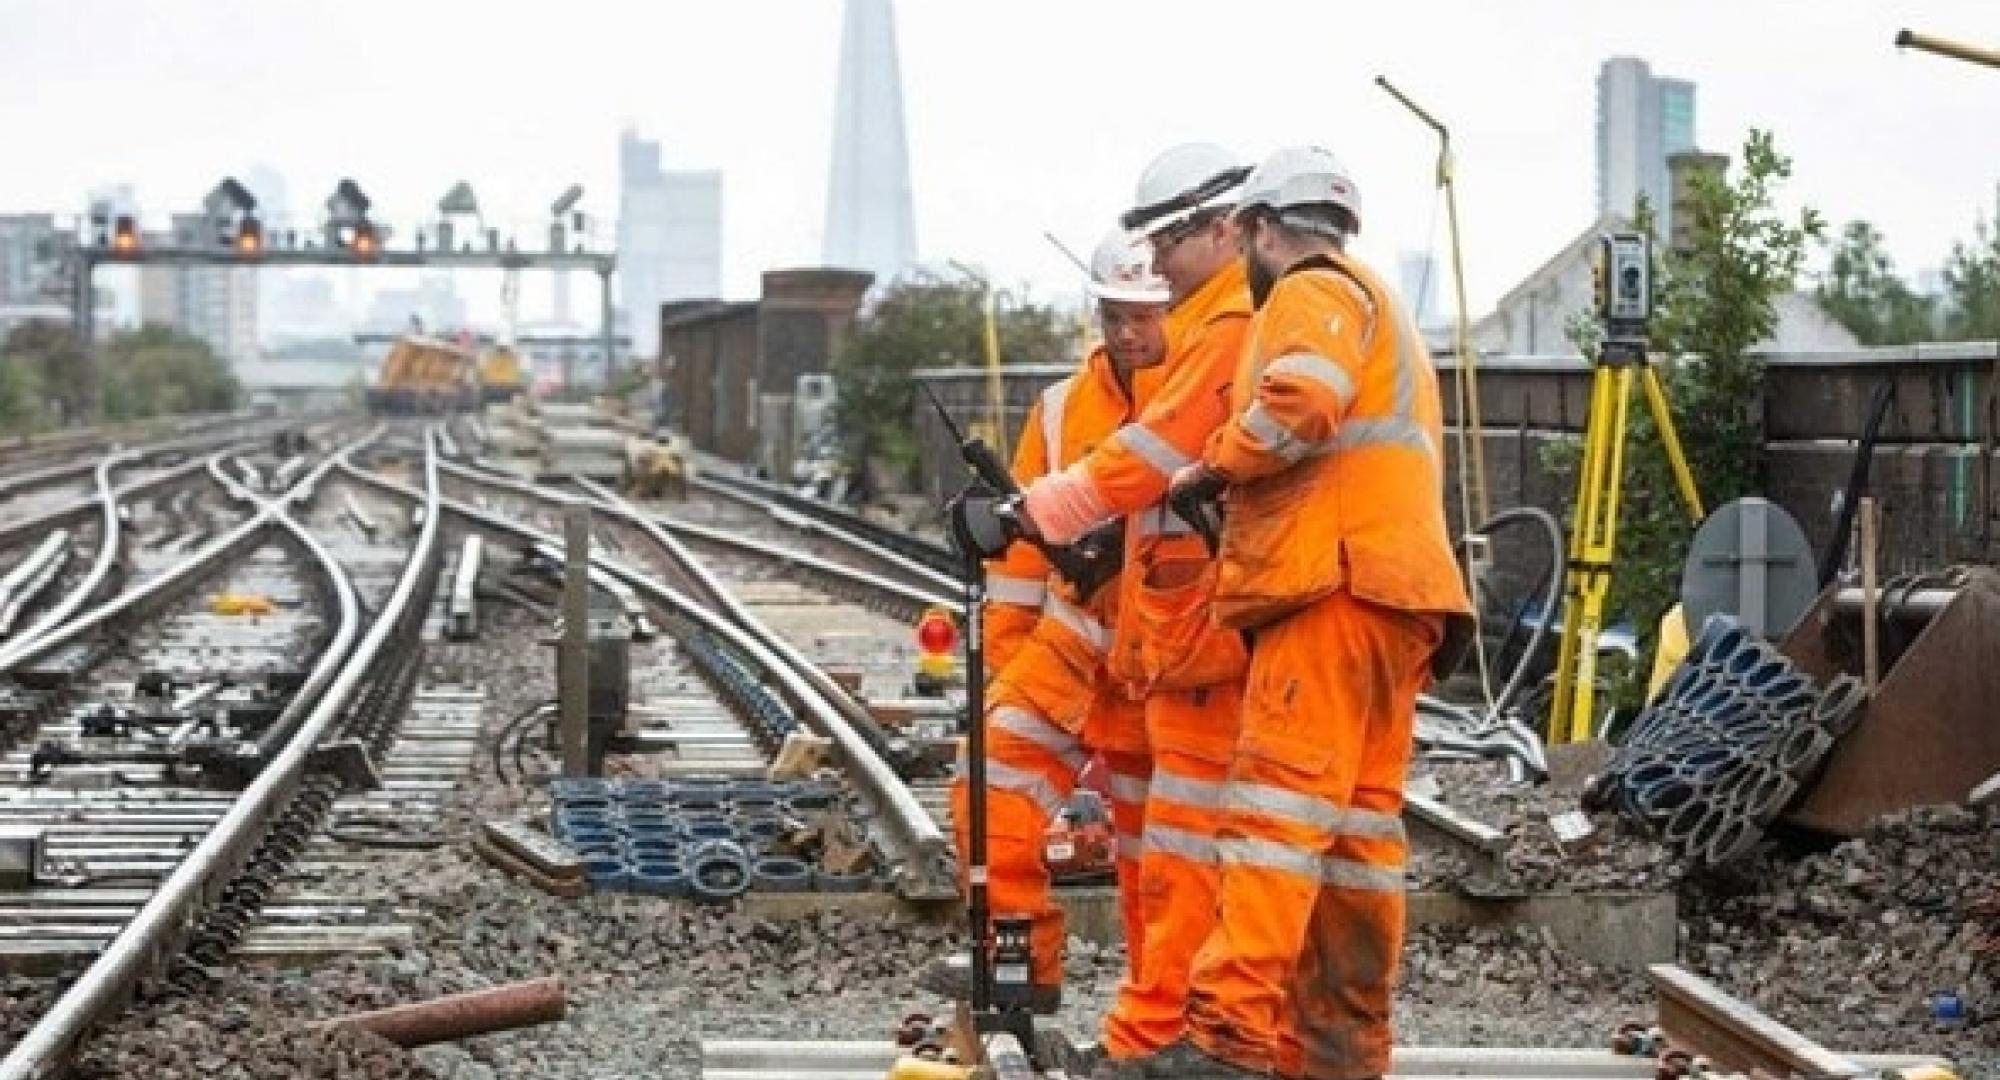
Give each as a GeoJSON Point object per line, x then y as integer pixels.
{"type": "Point", "coordinates": [1927, 736]}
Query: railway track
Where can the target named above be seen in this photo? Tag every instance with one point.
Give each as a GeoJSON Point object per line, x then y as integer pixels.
{"type": "Point", "coordinates": [171, 772]}
{"type": "Point", "coordinates": [634, 553]}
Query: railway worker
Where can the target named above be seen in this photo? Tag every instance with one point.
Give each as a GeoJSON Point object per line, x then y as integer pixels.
{"type": "Point", "coordinates": [1049, 706]}
{"type": "Point", "coordinates": [1167, 650]}
{"type": "Point", "coordinates": [1336, 558]}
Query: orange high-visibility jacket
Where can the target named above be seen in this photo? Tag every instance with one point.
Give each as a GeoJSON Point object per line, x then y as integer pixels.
{"type": "Point", "coordinates": [1070, 419]}
{"type": "Point", "coordinates": [1165, 642]}
{"type": "Point", "coordinates": [1129, 472]}
{"type": "Point", "coordinates": [1334, 454]}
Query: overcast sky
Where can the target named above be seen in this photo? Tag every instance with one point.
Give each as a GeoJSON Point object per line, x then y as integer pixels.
{"type": "Point", "coordinates": [1023, 115]}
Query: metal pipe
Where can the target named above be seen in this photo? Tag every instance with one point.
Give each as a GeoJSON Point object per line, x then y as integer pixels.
{"type": "Point", "coordinates": [1956, 50]}
{"type": "Point", "coordinates": [208, 867]}
{"type": "Point", "coordinates": [1917, 605]}
{"type": "Point", "coordinates": [461, 1016]}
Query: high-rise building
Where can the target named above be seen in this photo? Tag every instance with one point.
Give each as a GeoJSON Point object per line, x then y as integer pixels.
{"type": "Point", "coordinates": [217, 304]}
{"type": "Point", "coordinates": [1420, 277]}
{"type": "Point", "coordinates": [669, 237]}
{"type": "Point", "coordinates": [30, 249]}
{"type": "Point", "coordinates": [870, 219]}
{"type": "Point", "coordinates": [1641, 122]}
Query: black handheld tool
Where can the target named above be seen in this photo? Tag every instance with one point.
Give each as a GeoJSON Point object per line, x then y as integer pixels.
{"type": "Point", "coordinates": [1199, 505]}
{"type": "Point", "coordinates": [1089, 562]}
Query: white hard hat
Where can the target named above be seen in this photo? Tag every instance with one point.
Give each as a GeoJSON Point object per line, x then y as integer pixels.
{"type": "Point", "coordinates": [1122, 269]}
{"type": "Point", "coordinates": [1301, 176]}
{"type": "Point", "coordinates": [1182, 182]}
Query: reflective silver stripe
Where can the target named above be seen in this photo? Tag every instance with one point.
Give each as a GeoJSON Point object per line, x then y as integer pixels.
{"type": "Point", "coordinates": [1265, 799]}
{"type": "Point", "coordinates": [1126, 788]}
{"type": "Point", "coordinates": [1055, 402]}
{"type": "Point", "coordinates": [1187, 791]}
{"type": "Point", "coordinates": [1026, 725]}
{"type": "Point", "coordinates": [1193, 847]}
{"type": "Point", "coordinates": [1276, 437]}
{"type": "Point", "coordinates": [1270, 855]}
{"type": "Point", "coordinates": [1317, 812]}
{"type": "Point", "coordinates": [1152, 449]}
{"type": "Point", "coordinates": [1008, 778]}
{"type": "Point", "coordinates": [1381, 431]}
{"type": "Point", "coordinates": [1019, 591]}
{"type": "Point", "coordinates": [1372, 825]}
{"type": "Point", "coordinates": [1069, 615]}
{"type": "Point", "coordinates": [1408, 356]}
{"type": "Point", "coordinates": [1160, 521]}
{"type": "Point", "coordinates": [1318, 369]}
{"type": "Point", "coordinates": [1348, 874]}
{"type": "Point", "coordinates": [1131, 847]}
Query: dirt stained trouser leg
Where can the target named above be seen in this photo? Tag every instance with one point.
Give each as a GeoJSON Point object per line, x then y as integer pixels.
{"type": "Point", "coordinates": [1312, 845]}
{"type": "Point", "coordinates": [1192, 733]}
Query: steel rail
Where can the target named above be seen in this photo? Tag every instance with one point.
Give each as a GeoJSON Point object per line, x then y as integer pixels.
{"type": "Point", "coordinates": [821, 526]}
{"type": "Point", "coordinates": [911, 594]}
{"type": "Point", "coordinates": [762, 494]}
{"type": "Point", "coordinates": [198, 878]}
{"type": "Point", "coordinates": [857, 716]}
{"type": "Point", "coordinates": [109, 539]}
{"type": "Point", "coordinates": [29, 527]}
{"type": "Point", "coordinates": [1698, 1016]}
{"type": "Point", "coordinates": [928, 865]}
{"type": "Point", "coordinates": [721, 538]}
{"type": "Point", "coordinates": [716, 596]}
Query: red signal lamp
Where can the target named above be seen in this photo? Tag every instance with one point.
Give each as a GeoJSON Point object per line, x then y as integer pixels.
{"type": "Point", "coordinates": [937, 632]}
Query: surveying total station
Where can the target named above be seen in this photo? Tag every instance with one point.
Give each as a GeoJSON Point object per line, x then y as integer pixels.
{"type": "Point", "coordinates": [1624, 284]}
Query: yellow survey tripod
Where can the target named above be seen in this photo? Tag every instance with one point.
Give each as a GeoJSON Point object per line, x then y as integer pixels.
{"type": "Point", "coordinates": [1624, 301]}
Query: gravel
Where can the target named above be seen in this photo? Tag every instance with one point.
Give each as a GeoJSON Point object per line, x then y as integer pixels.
{"type": "Point", "coordinates": [1613, 858]}
{"type": "Point", "coordinates": [1849, 945]}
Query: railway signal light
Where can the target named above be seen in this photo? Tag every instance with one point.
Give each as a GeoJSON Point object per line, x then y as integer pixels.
{"type": "Point", "coordinates": [250, 238]}
{"type": "Point", "coordinates": [125, 235]}
{"type": "Point", "coordinates": [937, 644]}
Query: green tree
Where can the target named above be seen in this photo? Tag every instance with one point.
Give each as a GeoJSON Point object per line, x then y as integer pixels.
{"type": "Point", "coordinates": [51, 350]}
{"type": "Point", "coordinates": [156, 371]}
{"type": "Point", "coordinates": [1861, 290]}
{"type": "Point", "coordinates": [929, 319]}
{"type": "Point", "coordinates": [1972, 287]}
{"type": "Point", "coordinates": [1714, 300]}
{"type": "Point", "coordinates": [24, 409]}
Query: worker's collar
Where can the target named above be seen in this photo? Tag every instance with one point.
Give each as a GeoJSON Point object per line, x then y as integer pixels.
{"type": "Point", "coordinates": [1226, 292]}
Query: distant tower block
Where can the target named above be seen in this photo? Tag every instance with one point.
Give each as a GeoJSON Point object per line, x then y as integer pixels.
{"type": "Point", "coordinates": [870, 224]}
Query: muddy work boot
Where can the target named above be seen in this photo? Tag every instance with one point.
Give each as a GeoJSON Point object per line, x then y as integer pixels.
{"type": "Point", "coordinates": [950, 977]}
{"type": "Point", "coordinates": [1181, 1060]}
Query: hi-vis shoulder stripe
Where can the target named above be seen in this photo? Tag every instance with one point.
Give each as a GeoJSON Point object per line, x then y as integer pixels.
{"type": "Point", "coordinates": [1019, 591]}
{"type": "Point", "coordinates": [1151, 449]}
{"type": "Point", "coordinates": [1318, 369]}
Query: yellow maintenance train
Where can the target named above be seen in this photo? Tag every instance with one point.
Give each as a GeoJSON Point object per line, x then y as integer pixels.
{"type": "Point", "coordinates": [431, 375]}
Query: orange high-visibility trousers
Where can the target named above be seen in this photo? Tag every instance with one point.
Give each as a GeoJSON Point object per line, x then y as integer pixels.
{"type": "Point", "coordinates": [1312, 845]}
{"type": "Point", "coordinates": [1031, 771]}
{"type": "Point", "coordinates": [1192, 734]}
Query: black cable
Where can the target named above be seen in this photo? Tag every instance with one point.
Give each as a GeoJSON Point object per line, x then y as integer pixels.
{"type": "Point", "coordinates": [500, 739]}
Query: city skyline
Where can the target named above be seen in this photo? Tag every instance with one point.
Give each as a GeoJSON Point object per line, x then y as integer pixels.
{"type": "Point", "coordinates": [992, 170]}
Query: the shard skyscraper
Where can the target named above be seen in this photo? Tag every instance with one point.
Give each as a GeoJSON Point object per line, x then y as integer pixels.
{"type": "Point", "coordinates": [870, 223]}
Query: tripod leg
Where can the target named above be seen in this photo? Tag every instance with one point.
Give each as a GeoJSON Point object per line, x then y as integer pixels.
{"type": "Point", "coordinates": [1593, 541]}
{"type": "Point", "coordinates": [1663, 418]}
